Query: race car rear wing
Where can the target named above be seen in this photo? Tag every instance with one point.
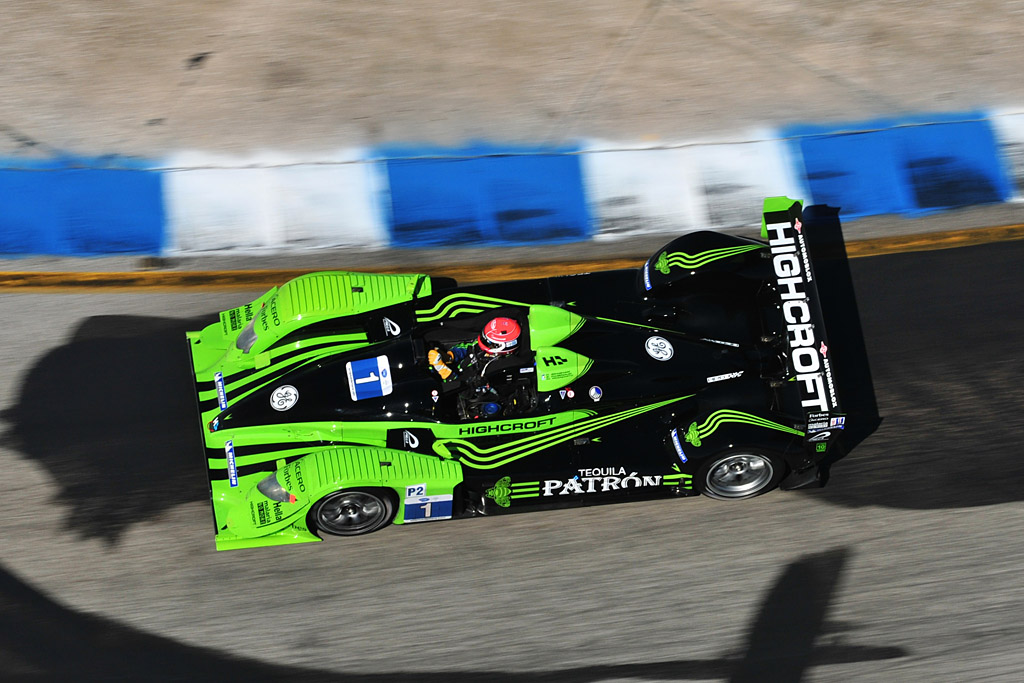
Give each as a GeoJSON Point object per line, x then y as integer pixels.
{"type": "Point", "coordinates": [807, 357]}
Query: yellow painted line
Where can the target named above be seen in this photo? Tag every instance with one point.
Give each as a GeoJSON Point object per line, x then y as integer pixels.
{"type": "Point", "coordinates": [950, 239]}
{"type": "Point", "coordinates": [264, 279]}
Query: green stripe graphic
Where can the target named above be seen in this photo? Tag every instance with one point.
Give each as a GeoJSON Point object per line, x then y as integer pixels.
{"type": "Point", "coordinates": [471, 455]}
{"type": "Point", "coordinates": [457, 304]}
{"type": "Point", "coordinates": [695, 434]}
{"type": "Point", "coordinates": [679, 259]}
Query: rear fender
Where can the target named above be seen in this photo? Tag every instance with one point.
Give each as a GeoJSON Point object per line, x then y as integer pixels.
{"type": "Point", "coordinates": [711, 433]}
{"type": "Point", "coordinates": [698, 253]}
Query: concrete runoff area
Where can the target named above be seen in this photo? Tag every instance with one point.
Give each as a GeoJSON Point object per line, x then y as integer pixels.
{"type": "Point", "coordinates": [148, 78]}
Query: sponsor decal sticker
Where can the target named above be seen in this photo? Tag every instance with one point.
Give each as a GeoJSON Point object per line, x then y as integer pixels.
{"type": "Point", "coordinates": [369, 378]}
{"type": "Point", "coordinates": [523, 371]}
{"type": "Point", "coordinates": [391, 328]}
{"type": "Point", "coordinates": [222, 394]}
{"type": "Point", "coordinates": [659, 348]}
{"type": "Point", "coordinates": [229, 453]}
{"type": "Point", "coordinates": [604, 480]}
{"type": "Point", "coordinates": [838, 422]}
{"type": "Point", "coordinates": [820, 447]}
{"type": "Point", "coordinates": [433, 395]}
{"type": "Point", "coordinates": [728, 375]}
{"type": "Point", "coordinates": [678, 446]}
{"type": "Point", "coordinates": [561, 393]}
{"type": "Point", "coordinates": [526, 425]}
{"type": "Point", "coordinates": [595, 393]}
{"type": "Point", "coordinates": [647, 276]}
{"type": "Point", "coordinates": [284, 397]}
{"type": "Point", "coordinates": [570, 393]}
{"type": "Point", "coordinates": [410, 441]}
{"type": "Point", "coordinates": [820, 436]}
{"type": "Point", "coordinates": [793, 276]}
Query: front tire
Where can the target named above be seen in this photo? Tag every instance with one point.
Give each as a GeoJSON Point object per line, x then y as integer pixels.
{"type": "Point", "coordinates": [739, 474]}
{"type": "Point", "coordinates": [352, 512]}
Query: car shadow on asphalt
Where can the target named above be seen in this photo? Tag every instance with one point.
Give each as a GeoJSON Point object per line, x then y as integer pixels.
{"type": "Point", "coordinates": [111, 416]}
{"type": "Point", "coordinates": [782, 643]}
{"type": "Point", "coordinates": [942, 329]}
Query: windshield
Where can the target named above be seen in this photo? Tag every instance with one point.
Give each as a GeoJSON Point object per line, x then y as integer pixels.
{"type": "Point", "coordinates": [247, 337]}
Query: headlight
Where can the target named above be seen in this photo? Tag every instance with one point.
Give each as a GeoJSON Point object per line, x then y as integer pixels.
{"type": "Point", "coordinates": [274, 491]}
{"type": "Point", "coordinates": [247, 337]}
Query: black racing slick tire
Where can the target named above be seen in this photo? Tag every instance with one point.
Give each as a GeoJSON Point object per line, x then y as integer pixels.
{"type": "Point", "coordinates": [352, 512]}
{"type": "Point", "coordinates": [740, 473]}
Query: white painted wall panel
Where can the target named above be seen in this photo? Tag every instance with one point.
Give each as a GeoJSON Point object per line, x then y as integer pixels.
{"type": "Point", "coordinates": [271, 202]}
{"type": "Point", "coordinates": [1009, 129]}
{"type": "Point", "coordinates": [735, 178]}
{"type": "Point", "coordinates": [642, 191]}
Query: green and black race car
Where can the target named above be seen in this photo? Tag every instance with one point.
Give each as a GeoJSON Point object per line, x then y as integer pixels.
{"type": "Point", "coordinates": [341, 402]}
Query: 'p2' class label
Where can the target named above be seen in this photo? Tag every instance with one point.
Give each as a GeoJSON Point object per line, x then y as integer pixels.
{"type": "Point", "coordinates": [222, 394]}
{"type": "Point", "coordinates": [428, 508]}
{"type": "Point", "coordinates": [369, 378]}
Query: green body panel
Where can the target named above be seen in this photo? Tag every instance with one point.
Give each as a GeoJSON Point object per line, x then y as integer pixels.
{"type": "Point", "coordinates": [318, 296]}
{"type": "Point", "coordinates": [775, 204]}
{"type": "Point", "coordinates": [550, 325]}
{"type": "Point", "coordinates": [250, 519]}
{"type": "Point", "coordinates": [557, 367]}
{"type": "Point", "coordinates": [246, 518]}
{"type": "Point", "coordinates": [303, 301]}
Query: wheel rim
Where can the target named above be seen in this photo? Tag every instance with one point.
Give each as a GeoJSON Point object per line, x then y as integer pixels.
{"type": "Point", "coordinates": [740, 475]}
{"type": "Point", "coordinates": [350, 512]}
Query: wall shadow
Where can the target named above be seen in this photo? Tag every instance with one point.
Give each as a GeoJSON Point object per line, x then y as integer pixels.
{"type": "Point", "coordinates": [781, 645]}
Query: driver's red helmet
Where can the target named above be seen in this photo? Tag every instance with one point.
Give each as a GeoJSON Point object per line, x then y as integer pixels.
{"type": "Point", "coordinates": [499, 336]}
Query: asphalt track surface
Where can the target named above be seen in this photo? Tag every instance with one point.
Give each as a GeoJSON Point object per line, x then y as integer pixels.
{"type": "Point", "coordinates": [905, 567]}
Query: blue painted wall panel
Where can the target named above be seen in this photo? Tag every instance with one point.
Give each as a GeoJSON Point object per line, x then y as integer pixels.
{"type": "Point", "coordinates": [953, 164]}
{"type": "Point", "coordinates": [75, 208]}
{"type": "Point", "coordinates": [856, 172]}
{"type": "Point", "coordinates": [485, 196]}
{"type": "Point", "coordinates": [909, 165]}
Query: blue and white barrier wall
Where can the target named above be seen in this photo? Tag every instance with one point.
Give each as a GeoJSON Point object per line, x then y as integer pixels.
{"type": "Point", "coordinates": [481, 194]}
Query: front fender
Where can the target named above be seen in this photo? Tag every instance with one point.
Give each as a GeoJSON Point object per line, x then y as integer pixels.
{"type": "Point", "coordinates": [313, 476]}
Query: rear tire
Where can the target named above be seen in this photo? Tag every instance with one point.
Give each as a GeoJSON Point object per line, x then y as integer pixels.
{"type": "Point", "coordinates": [352, 512]}
{"type": "Point", "coordinates": [740, 473]}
